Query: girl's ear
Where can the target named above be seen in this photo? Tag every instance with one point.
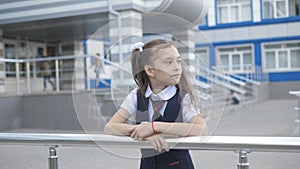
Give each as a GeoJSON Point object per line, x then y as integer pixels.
{"type": "Point", "coordinates": [149, 71]}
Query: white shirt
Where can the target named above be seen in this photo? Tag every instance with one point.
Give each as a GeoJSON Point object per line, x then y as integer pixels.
{"type": "Point", "coordinates": [188, 110]}
{"type": "Point", "coordinates": [235, 95]}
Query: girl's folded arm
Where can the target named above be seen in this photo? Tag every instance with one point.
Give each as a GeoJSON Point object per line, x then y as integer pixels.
{"type": "Point", "coordinates": [196, 127]}
{"type": "Point", "coordinates": [117, 126]}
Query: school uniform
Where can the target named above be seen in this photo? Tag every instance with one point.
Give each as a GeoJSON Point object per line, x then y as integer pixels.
{"type": "Point", "coordinates": [175, 109]}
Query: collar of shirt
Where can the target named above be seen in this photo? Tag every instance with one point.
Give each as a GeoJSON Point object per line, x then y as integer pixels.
{"type": "Point", "coordinates": [166, 94]}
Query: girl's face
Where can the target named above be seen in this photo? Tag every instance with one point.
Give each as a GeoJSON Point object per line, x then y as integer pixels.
{"type": "Point", "coordinates": [167, 69]}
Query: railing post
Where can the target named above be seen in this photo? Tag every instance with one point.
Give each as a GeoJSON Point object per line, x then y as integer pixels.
{"type": "Point", "coordinates": [57, 75]}
{"type": "Point", "coordinates": [28, 77]}
{"type": "Point", "coordinates": [18, 78]}
{"type": "Point", "coordinates": [243, 160]}
{"type": "Point", "coordinates": [53, 157]}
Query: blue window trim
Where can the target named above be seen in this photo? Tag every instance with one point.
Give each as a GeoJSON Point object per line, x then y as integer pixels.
{"type": "Point", "coordinates": [273, 76]}
{"type": "Point", "coordinates": [257, 54]}
{"type": "Point", "coordinates": [263, 40]}
{"type": "Point", "coordinates": [84, 43]}
{"type": "Point", "coordinates": [84, 46]}
{"type": "Point", "coordinates": [244, 24]}
{"type": "Point", "coordinates": [250, 23]}
{"type": "Point", "coordinates": [256, 44]}
{"type": "Point", "coordinates": [226, 25]}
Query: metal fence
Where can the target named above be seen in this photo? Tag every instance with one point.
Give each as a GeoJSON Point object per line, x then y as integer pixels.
{"type": "Point", "coordinates": [241, 145]}
{"type": "Point", "coordinates": [24, 76]}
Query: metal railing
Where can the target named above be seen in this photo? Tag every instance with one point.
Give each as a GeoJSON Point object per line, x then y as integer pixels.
{"type": "Point", "coordinates": [24, 79]}
{"type": "Point", "coordinates": [31, 72]}
{"type": "Point", "coordinates": [297, 108]}
{"type": "Point", "coordinates": [238, 144]}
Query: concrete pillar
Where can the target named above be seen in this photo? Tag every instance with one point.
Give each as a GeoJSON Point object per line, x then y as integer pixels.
{"type": "Point", "coordinates": [185, 44]}
{"type": "Point", "coordinates": [2, 64]}
{"type": "Point", "coordinates": [125, 30]}
{"type": "Point", "coordinates": [66, 77]}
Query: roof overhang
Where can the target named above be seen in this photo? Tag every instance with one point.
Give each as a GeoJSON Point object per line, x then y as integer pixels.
{"type": "Point", "coordinates": [56, 20]}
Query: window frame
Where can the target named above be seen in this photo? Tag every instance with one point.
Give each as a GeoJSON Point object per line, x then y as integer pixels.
{"type": "Point", "coordinates": [275, 17]}
{"type": "Point", "coordinates": [228, 7]}
{"type": "Point", "coordinates": [281, 49]}
{"type": "Point", "coordinates": [242, 66]}
{"type": "Point", "coordinates": [207, 59]}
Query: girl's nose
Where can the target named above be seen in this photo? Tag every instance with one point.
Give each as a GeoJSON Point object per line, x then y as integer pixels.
{"type": "Point", "coordinates": [177, 66]}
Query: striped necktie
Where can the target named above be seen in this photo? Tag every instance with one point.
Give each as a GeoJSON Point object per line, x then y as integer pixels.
{"type": "Point", "coordinates": [157, 105]}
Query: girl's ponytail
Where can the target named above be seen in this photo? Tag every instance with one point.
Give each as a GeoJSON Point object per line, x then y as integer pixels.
{"type": "Point", "coordinates": [138, 63]}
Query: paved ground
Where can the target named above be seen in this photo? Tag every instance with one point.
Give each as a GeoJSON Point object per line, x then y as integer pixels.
{"type": "Point", "coordinates": [269, 118]}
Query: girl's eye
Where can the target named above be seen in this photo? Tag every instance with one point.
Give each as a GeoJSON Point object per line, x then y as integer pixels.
{"type": "Point", "coordinates": [169, 61]}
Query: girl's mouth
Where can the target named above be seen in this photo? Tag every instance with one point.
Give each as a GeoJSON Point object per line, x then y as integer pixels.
{"type": "Point", "coordinates": [176, 76]}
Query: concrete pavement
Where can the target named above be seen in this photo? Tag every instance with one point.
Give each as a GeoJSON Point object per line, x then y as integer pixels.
{"type": "Point", "coordinates": [269, 118]}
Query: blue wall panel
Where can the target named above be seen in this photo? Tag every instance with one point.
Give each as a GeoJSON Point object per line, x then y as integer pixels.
{"type": "Point", "coordinates": [284, 76]}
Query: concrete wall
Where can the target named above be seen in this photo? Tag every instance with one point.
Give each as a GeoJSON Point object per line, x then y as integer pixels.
{"type": "Point", "coordinates": [280, 90]}
{"type": "Point", "coordinates": [64, 111]}
{"type": "Point", "coordinates": [49, 112]}
{"type": "Point", "coordinates": [84, 111]}
{"type": "Point", "coordinates": [10, 113]}
{"type": "Point", "coordinates": [263, 91]}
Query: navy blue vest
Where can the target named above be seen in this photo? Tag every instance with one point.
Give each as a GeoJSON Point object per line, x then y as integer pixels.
{"type": "Point", "coordinates": [151, 159]}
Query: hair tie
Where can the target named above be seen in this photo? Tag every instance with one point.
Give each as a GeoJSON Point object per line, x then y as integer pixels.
{"type": "Point", "coordinates": [138, 45]}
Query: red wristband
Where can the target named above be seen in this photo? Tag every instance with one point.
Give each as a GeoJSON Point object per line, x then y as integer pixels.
{"type": "Point", "coordinates": [153, 127]}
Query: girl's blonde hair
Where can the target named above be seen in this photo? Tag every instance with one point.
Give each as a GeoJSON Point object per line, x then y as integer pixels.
{"type": "Point", "coordinates": [146, 56]}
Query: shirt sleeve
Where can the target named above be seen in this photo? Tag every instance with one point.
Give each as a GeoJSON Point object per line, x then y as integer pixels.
{"type": "Point", "coordinates": [130, 102]}
{"type": "Point", "coordinates": [188, 109]}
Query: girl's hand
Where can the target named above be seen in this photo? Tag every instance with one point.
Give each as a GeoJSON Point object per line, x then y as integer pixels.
{"type": "Point", "coordinates": [141, 131]}
{"type": "Point", "coordinates": [158, 142]}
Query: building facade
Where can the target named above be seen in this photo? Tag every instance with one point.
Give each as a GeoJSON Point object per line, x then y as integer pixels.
{"type": "Point", "coordinates": [245, 37]}
{"type": "Point", "coordinates": [254, 36]}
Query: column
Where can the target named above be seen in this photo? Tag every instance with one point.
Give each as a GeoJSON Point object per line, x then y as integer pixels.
{"type": "Point", "coordinates": [68, 78]}
{"type": "Point", "coordinates": [124, 30]}
{"type": "Point", "coordinates": [2, 64]}
{"type": "Point", "coordinates": [185, 45]}
{"type": "Point", "coordinates": [80, 67]}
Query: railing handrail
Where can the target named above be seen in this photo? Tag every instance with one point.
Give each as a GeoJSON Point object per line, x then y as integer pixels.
{"type": "Point", "coordinates": [243, 78]}
{"type": "Point", "coordinates": [214, 143]}
{"type": "Point", "coordinates": [42, 58]}
{"type": "Point", "coordinates": [53, 58]}
{"type": "Point", "coordinates": [219, 76]}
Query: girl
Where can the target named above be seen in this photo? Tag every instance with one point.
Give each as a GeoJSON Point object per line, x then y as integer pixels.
{"type": "Point", "coordinates": [163, 105]}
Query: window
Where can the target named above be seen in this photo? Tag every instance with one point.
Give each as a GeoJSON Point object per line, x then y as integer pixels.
{"type": "Point", "coordinates": [236, 59]}
{"type": "Point", "coordinates": [202, 60]}
{"type": "Point", "coordinates": [280, 8]}
{"type": "Point", "coordinates": [282, 57]}
{"type": "Point", "coordinates": [10, 53]}
{"type": "Point", "coordinates": [230, 11]}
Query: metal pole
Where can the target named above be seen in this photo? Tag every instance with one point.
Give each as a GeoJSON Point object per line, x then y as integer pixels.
{"type": "Point", "coordinates": [18, 77]}
{"type": "Point", "coordinates": [57, 75]}
{"type": "Point", "coordinates": [53, 157]}
{"type": "Point", "coordinates": [243, 160]}
{"type": "Point", "coordinates": [298, 120]}
{"type": "Point", "coordinates": [28, 77]}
